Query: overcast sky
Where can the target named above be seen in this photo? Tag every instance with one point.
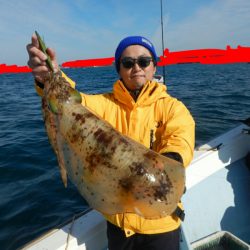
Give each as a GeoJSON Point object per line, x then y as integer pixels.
{"type": "Point", "coordinates": [81, 29]}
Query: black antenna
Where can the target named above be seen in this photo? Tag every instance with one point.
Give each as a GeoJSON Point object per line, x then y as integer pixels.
{"type": "Point", "coordinates": [162, 42]}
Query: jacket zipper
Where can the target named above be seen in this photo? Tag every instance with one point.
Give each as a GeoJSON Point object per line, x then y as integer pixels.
{"type": "Point", "coordinates": [151, 138]}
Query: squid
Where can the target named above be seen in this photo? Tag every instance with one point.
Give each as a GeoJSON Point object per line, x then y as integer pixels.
{"type": "Point", "coordinates": [112, 172]}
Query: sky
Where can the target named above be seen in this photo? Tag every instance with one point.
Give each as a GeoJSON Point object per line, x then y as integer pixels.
{"type": "Point", "coordinates": [86, 29]}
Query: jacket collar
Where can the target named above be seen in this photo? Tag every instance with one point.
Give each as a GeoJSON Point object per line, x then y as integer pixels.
{"type": "Point", "coordinates": [151, 92]}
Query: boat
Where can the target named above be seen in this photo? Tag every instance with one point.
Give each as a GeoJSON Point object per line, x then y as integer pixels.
{"type": "Point", "coordinates": [216, 202]}
{"type": "Point", "coordinates": [13, 69]}
{"type": "Point", "coordinates": [158, 78]}
{"type": "Point", "coordinates": [218, 185]}
{"type": "Point", "coordinates": [240, 54]}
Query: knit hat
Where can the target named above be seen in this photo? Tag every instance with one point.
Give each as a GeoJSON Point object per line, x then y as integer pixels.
{"type": "Point", "coordinates": [133, 40]}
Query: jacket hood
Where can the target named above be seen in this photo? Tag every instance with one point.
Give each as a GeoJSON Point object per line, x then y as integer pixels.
{"type": "Point", "coordinates": [151, 92]}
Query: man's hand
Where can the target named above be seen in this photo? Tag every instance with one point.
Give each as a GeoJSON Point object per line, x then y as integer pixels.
{"type": "Point", "coordinates": [37, 60]}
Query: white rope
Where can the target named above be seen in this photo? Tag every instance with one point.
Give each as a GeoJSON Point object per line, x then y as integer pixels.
{"type": "Point", "coordinates": [69, 233]}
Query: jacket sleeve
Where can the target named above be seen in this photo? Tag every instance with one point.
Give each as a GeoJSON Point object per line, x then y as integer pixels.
{"type": "Point", "coordinates": [39, 85]}
{"type": "Point", "coordinates": [178, 132]}
{"type": "Point", "coordinates": [95, 102]}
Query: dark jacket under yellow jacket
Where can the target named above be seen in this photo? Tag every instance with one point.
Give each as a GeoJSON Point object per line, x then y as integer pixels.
{"type": "Point", "coordinates": [155, 120]}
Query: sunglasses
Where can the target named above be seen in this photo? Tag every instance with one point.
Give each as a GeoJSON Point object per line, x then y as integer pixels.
{"type": "Point", "coordinates": [142, 61]}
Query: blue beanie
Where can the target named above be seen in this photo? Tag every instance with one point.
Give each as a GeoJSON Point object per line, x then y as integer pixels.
{"type": "Point", "coordinates": [133, 40]}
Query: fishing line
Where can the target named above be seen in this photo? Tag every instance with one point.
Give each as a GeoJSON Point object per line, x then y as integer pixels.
{"type": "Point", "coordinates": [162, 42]}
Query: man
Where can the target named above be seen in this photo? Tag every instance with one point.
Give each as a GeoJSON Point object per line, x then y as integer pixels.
{"type": "Point", "coordinates": [139, 108]}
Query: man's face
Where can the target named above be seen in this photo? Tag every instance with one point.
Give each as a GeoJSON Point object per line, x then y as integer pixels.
{"type": "Point", "coordinates": [135, 77]}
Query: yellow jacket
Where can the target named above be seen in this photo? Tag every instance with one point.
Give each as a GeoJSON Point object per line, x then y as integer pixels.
{"type": "Point", "coordinates": [155, 118]}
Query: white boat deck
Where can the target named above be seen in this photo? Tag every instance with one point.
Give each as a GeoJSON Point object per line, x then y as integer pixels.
{"type": "Point", "coordinates": [218, 184]}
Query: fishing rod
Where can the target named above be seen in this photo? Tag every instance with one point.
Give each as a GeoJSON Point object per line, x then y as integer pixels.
{"type": "Point", "coordinates": [162, 42]}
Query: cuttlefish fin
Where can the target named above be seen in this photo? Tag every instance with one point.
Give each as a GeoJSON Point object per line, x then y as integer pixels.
{"type": "Point", "coordinates": [61, 162]}
{"type": "Point", "coordinates": [57, 143]}
{"type": "Point", "coordinates": [63, 173]}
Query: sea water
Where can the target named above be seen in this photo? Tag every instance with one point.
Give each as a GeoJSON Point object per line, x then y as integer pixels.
{"type": "Point", "coordinates": [32, 196]}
